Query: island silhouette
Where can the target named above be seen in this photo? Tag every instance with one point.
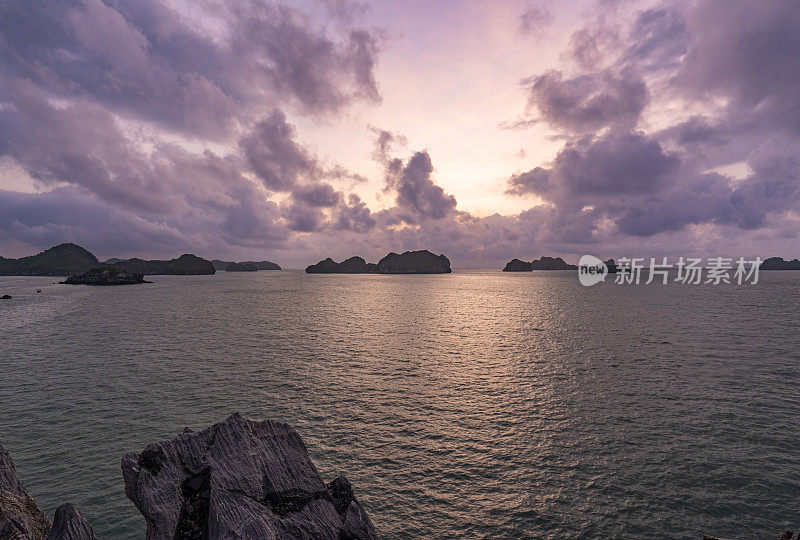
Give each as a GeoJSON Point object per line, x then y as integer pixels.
{"type": "Point", "coordinates": [409, 262]}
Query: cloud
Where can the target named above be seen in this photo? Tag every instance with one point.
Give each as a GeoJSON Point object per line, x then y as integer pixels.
{"type": "Point", "coordinates": [618, 163]}
{"type": "Point", "coordinates": [588, 102]}
{"type": "Point", "coordinates": [749, 58]}
{"type": "Point", "coordinates": [658, 40]}
{"type": "Point", "coordinates": [199, 76]}
{"type": "Point", "coordinates": [278, 160]}
{"type": "Point", "coordinates": [354, 216]}
{"type": "Point", "coordinates": [385, 143]}
{"type": "Point", "coordinates": [171, 129]}
{"type": "Point", "coordinates": [610, 181]}
{"type": "Point", "coordinates": [71, 215]}
{"type": "Point", "coordinates": [416, 191]}
{"type": "Point", "coordinates": [534, 20]}
{"type": "Point", "coordinates": [590, 47]}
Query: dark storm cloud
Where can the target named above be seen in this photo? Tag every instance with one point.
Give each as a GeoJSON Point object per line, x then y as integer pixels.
{"type": "Point", "coordinates": [147, 60]}
{"type": "Point", "coordinates": [416, 191]}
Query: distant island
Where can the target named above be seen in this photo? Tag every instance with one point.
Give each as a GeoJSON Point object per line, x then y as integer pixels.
{"type": "Point", "coordinates": [549, 263]}
{"type": "Point", "coordinates": [545, 263]}
{"type": "Point", "coordinates": [186, 264]}
{"type": "Point", "coordinates": [260, 265]}
{"type": "Point", "coordinates": [105, 275]}
{"type": "Point", "coordinates": [241, 267]}
{"type": "Point", "coordinates": [777, 263]}
{"type": "Point", "coordinates": [61, 260]}
{"type": "Point", "coordinates": [69, 259]}
{"type": "Point", "coordinates": [410, 262]}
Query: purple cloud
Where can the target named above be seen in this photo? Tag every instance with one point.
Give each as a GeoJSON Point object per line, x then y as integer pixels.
{"type": "Point", "coordinates": [639, 184]}
{"type": "Point", "coordinates": [416, 191]}
{"type": "Point", "coordinates": [148, 60]}
{"type": "Point", "coordinates": [588, 102]}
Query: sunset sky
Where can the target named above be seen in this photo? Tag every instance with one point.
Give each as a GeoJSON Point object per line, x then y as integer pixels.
{"type": "Point", "coordinates": [482, 130]}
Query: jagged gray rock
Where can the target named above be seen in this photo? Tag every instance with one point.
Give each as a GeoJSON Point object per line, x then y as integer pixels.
{"type": "Point", "coordinates": [240, 479]}
{"type": "Point", "coordinates": [69, 524]}
{"type": "Point", "coordinates": [20, 517]}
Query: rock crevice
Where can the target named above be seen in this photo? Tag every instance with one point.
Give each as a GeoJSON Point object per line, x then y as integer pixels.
{"type": "Point", "coordinates": [240, 479]}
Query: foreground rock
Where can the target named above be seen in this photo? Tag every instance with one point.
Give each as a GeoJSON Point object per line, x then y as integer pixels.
{"type": "Point", "coordinates": [20, 517]}
{"type": "Point", "coordinates": [105, 275]}
{"type": "Point", "coordinates": [5, 297]}
{"type": "Point", "coordinates": [69, 524]}
{"type": "Point", "coordinates": [777, 263]}
{"type": "Point", "coordinates": [241, 267]}
{"type": "Point", "coordinates": [240, 479]}
{"type": "Point", "coordinates": [787, 535]}
{"type": "Point", "coordinates": [410, 262]}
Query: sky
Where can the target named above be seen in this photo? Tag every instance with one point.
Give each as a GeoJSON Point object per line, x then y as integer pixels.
{"type": "Point", "coordinates": [294, 131]}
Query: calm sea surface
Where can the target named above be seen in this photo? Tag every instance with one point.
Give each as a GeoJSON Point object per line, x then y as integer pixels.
{"type": "Point", "coordinates": [477, 404]}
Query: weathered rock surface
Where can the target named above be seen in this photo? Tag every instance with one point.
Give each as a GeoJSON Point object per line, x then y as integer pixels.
{"type": "Point", "coordinates": [106, 275]}
{"type": "Point", "coordinates": [786, 535]}
{"type": "Point", "coordinates": [240, 479]}
{"type": "Point", "coordinates": [69, 524]}
{"type": "Point", "coordinates": [410, 262]}
{"type": "Point", "coordinates": [20, 517]}
{"type": "Point", "coordinates": [777, 263]}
